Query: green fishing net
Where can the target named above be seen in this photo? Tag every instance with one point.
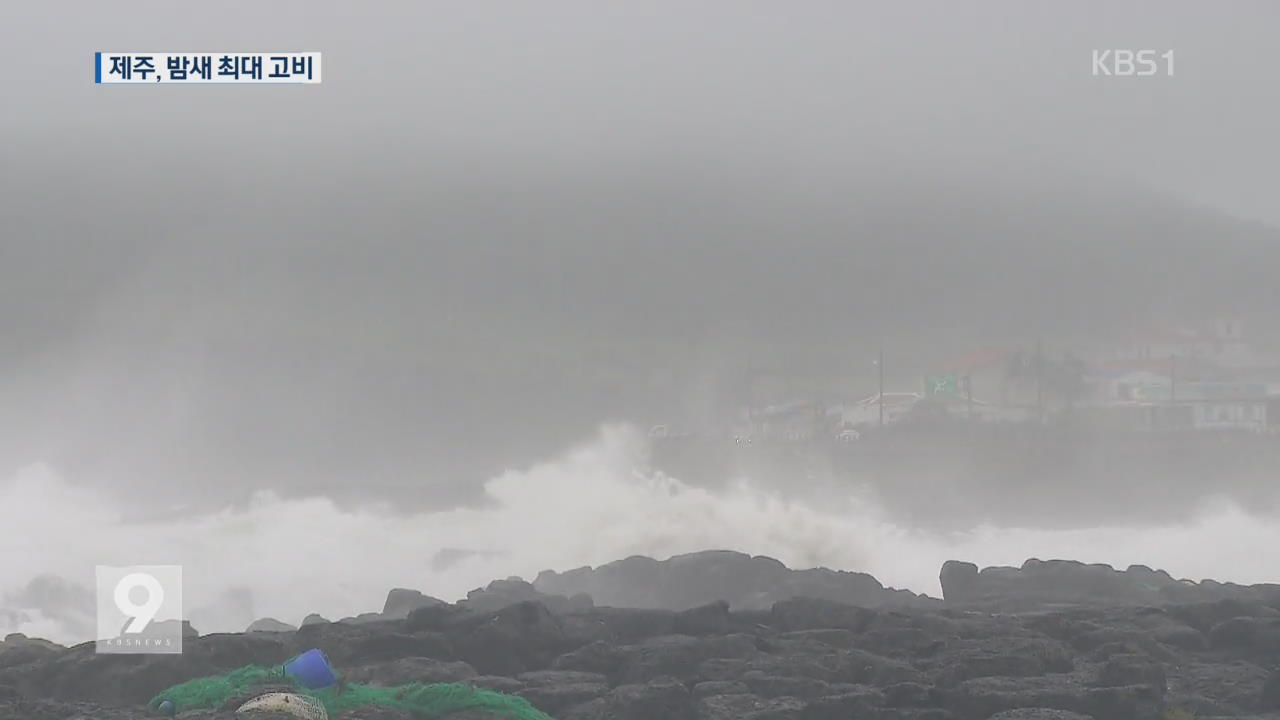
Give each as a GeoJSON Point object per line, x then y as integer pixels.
{"type": "Point", "coordinates": [421, 700]}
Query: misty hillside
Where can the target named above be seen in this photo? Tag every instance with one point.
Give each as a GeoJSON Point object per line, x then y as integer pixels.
{"type": "Point", "coordinates": [706, 250]}
{"type": "Point", "coordinates": [387, 322]}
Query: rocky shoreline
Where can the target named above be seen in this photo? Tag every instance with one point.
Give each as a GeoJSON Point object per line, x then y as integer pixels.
{"type": "Point", "coordinates": [725, 636]}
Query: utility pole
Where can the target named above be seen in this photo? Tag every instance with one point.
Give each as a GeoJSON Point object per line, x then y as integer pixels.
{"type": "Point", "coordinates": [1039, 381]}
{"type": "Point", "coordinates": [1173, 378]}
{"type": "Point", "coordinates": [880, 365]}
{"type": "Point", "coordinates": [968, 394]}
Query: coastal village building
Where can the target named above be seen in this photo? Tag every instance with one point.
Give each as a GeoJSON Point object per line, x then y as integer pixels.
{"type": "Point", "coordinates": [1207, 378]}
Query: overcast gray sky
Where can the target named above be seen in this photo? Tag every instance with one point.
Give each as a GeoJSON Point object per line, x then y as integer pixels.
{"type": "Point", "coordinates": [495, 225]}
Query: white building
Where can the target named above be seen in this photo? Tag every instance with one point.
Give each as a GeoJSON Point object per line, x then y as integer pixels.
{"type": "Point", "coordinates": [866, 412]}
{"type": "Point", "coordinates": [1221, 342]}
{"type": "Point", "coordinates": [1231, 415]}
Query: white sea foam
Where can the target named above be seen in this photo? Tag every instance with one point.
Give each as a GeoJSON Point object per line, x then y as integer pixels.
{"type": "Point", "coordinates": [590, 506]}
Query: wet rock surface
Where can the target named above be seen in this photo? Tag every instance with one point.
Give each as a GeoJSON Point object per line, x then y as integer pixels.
{"type": "Point", "coordinates": [1057, 657]}
{"type": "Point", "coordinates": [1039, 583]}
{"type": "Point", "coordinates": [742, 581]}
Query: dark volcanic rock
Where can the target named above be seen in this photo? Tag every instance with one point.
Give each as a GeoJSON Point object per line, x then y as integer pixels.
{"type": "Point", "coordinates": [1249, 634]}
{"type": "Point", "coordinates": [515, 639]}
{"type": "Point", "coordinates": [555, 698]}
{"type": "Point", "coordinates": [1203, 616]}
{"type": "Point", "coordinates": [80, 673]}
{"type": "Point", "coordinates": [959, 581]}
{"type": "Point", "coordinates": [55, 710]}
{"type": "Point", "coordinates": [1002, 657]}
{"type": "Point", "coordinates": [710, 619]}
{"type": "Point", "coordinates": [17, 649]}
{"type": "Point", "coordinates": [678, 656]}
{"type": "Point", "coordinates": [17, 640]}
{"type": "Point", "coordinates": [802, 658]}
{"type": "Point", "coordinates": [496, 683]}
{"type": "Point", "coordinates": [363, 618]}
{"type": "Point", "coordinates": [431, 617]}
{"type": "Point", "coordinates": [815, 614]}
{"type": "Point", "coordinates": [658, 698]}
{"type": "Point", "coordinates": [984, 697]}
{"type": "Point", "coordinates": [269, 625]}
{"type": "Point", "coordinates": [411, 669]}
{"type": "Point", "coordinates": [698, 579]}
{"type": "Point", "coordinates": [400, 602]}
{"type": "Point", "coordinates": [618, 624]}
{"type": "Point", "coordinates": [1269, 698]}
{"type": "Point", "coordinates": [845, 705]}
{"type": "Point", "coordinates": [719, 687]}
{"type": "Point", "coordinates": [1038, 714]}
{"type": "Point", "coordinates": [502, 593]}
{"type": "Point", "coordinates": [749, 707]}
{"type": "Point", "coordinates": [363, 643]}
{"type": "Point", "coordinates": [1050, 583]}
{"type": "Point", "coordinates": [1124, 670]}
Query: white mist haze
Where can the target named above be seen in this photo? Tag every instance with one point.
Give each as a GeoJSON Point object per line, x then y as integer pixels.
{"type": "Point", "coordinates": [594, 504]}
{"type": "Point", "coordinates": [494, 226]}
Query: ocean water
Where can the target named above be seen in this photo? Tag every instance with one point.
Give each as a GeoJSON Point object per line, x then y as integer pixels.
{"type": "Point", "coordinates": [586, 505]}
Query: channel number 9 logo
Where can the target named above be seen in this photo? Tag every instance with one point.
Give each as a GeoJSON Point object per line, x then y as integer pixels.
{"type": "Point", "coordinates": [140, 614]}
{"type": "Point", "coordinates": [135, 606]}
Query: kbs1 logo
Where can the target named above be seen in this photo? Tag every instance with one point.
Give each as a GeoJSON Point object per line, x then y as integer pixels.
{"type": "Point", "coordinates": [139, 609]}
{"type": "Point", "coordinates": [1132, 63]}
